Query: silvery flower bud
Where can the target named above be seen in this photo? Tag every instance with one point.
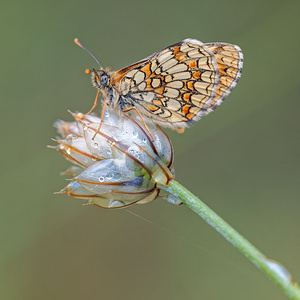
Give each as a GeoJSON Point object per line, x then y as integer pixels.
{"type": "Point", "coordinates": [119, 163]}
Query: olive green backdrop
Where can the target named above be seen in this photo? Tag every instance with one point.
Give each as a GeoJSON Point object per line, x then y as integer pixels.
{"type": "Point", "coordinates": [242, 160]}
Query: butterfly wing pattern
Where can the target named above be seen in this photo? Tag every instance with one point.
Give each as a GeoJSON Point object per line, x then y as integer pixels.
{"type": "Point", "coordinates": [181, 83]}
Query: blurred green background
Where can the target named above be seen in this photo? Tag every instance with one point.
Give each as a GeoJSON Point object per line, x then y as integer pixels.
{"type": "Point", "coordinates": [242, 160]}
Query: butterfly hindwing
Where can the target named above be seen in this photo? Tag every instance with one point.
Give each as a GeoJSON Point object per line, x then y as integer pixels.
{"type": "Point", "coordinates": [229, 59]}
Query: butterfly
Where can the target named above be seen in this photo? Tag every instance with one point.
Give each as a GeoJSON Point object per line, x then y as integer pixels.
{"type": "Point", "coordinates": [175, 86]}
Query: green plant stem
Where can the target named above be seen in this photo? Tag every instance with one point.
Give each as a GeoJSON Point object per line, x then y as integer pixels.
{"type": "Point", "coordinates": [276, 272]}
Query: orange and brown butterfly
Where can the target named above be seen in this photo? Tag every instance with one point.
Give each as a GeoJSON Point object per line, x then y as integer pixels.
{"type": "Point", "coordinates": [176, 85]}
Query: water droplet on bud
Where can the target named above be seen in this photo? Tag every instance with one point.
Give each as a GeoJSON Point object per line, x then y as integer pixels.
{"type": "Point", "coordinates": [134, 151]}
{"type": "Point", "coordinates": [117, 203]}
{"type": "Point", "coordinates": [70, 137]}
{"type": "Point", "coordinates": [109, 176]}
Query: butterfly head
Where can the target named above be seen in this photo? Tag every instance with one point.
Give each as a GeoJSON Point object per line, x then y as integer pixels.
{"type": "Point", "coordinates": [100, 79]}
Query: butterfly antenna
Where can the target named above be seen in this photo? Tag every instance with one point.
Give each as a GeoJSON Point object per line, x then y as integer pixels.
{"type": "Point", "coordinates": [76, 41]}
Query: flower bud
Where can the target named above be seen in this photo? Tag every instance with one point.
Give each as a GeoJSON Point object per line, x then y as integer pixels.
{"type": "Point", "coordinates": [119, 162]}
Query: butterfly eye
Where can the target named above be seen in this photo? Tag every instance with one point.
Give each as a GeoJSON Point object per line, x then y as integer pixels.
{"type": "Point", "coordinates": [104, 79]}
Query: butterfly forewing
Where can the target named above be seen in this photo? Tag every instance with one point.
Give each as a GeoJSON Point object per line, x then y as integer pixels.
{"type": "Point", "coordinates": [180, 83]}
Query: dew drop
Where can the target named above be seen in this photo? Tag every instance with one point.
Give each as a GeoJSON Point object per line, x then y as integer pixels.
{"type": "Point", "coordinates": [109, 152]}
{"type": "Point", "coordinates": [174, 200]}
{"type": "Point", "coordinates": [134, 151]}
{"type": "Point", "coordinates": [109, 176]}
{"type": "Point", "coordinates": [95, 145]}
{"type": "Point", "coordinates": [280, 270]}
{"type": "Point", "coordinates": [144, 140]}
{"type": "Point", "coordinates": [101, 178]}
{"type": "Point", "coordinates": [107, 114]}
{"type": "Point", "coordinates": [135, 134]}
{"type": "Point", "coordinates": [70, 137]}
{"type": "Point", "coordinates": [116, 203]}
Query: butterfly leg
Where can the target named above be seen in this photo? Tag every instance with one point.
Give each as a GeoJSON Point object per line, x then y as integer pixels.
{"type": "Point", "coordinates": [130, 108]}
{"type": "Point", "coordinates": [95, 103]}
{"type": "Point", "coordinates": [101, 120]}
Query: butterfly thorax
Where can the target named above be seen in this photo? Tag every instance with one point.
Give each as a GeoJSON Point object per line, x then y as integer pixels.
{"type": "Point", "coordinates": [104, 81]}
